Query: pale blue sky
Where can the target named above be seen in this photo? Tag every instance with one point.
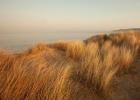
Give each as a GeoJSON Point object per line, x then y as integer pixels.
{"type": "Point", "coordinates": [68, 15]}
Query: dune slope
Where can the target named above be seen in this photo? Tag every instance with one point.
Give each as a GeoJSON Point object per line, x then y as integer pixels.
{"type": "Point", "coordinates": [103, 67]}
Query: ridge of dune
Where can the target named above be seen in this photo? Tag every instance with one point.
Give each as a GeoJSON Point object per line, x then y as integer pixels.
{"type": "Point", "coordinates": [103, 67]}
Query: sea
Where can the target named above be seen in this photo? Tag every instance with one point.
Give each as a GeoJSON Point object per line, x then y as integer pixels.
{"type": "Point", "coordinates": [20, 41]}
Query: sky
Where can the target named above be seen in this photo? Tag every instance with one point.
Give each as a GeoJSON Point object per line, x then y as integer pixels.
{"type": "Point", "coordinates": [29, 16]}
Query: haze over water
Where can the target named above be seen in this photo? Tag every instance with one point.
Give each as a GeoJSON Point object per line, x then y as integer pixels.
{"type": "Point", "coordinates": [17, 41]}
{"type": "Point", "coordinates": [26, 22]}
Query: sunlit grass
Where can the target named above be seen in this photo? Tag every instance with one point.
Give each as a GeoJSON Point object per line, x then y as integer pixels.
{"type": "Point", "coordinates": [74, 70]}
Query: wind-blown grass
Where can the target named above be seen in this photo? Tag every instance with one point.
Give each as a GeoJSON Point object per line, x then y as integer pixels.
{"type": "Point", "coordinates": [76, 70]}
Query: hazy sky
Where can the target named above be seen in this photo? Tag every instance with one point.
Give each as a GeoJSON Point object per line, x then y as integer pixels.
{"type": "Point", "coordinates": [68, 15]}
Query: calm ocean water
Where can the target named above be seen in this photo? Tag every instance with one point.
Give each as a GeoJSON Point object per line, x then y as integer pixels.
{"type": "Point", "coordinates": [18, 41]}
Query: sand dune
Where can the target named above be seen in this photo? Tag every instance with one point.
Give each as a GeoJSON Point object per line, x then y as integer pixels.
{"type": "Point", "coordinates": [103, 67]}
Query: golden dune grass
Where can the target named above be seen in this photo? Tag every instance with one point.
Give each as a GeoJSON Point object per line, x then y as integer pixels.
{"type": "Point", "coordinates": [76, 70]}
